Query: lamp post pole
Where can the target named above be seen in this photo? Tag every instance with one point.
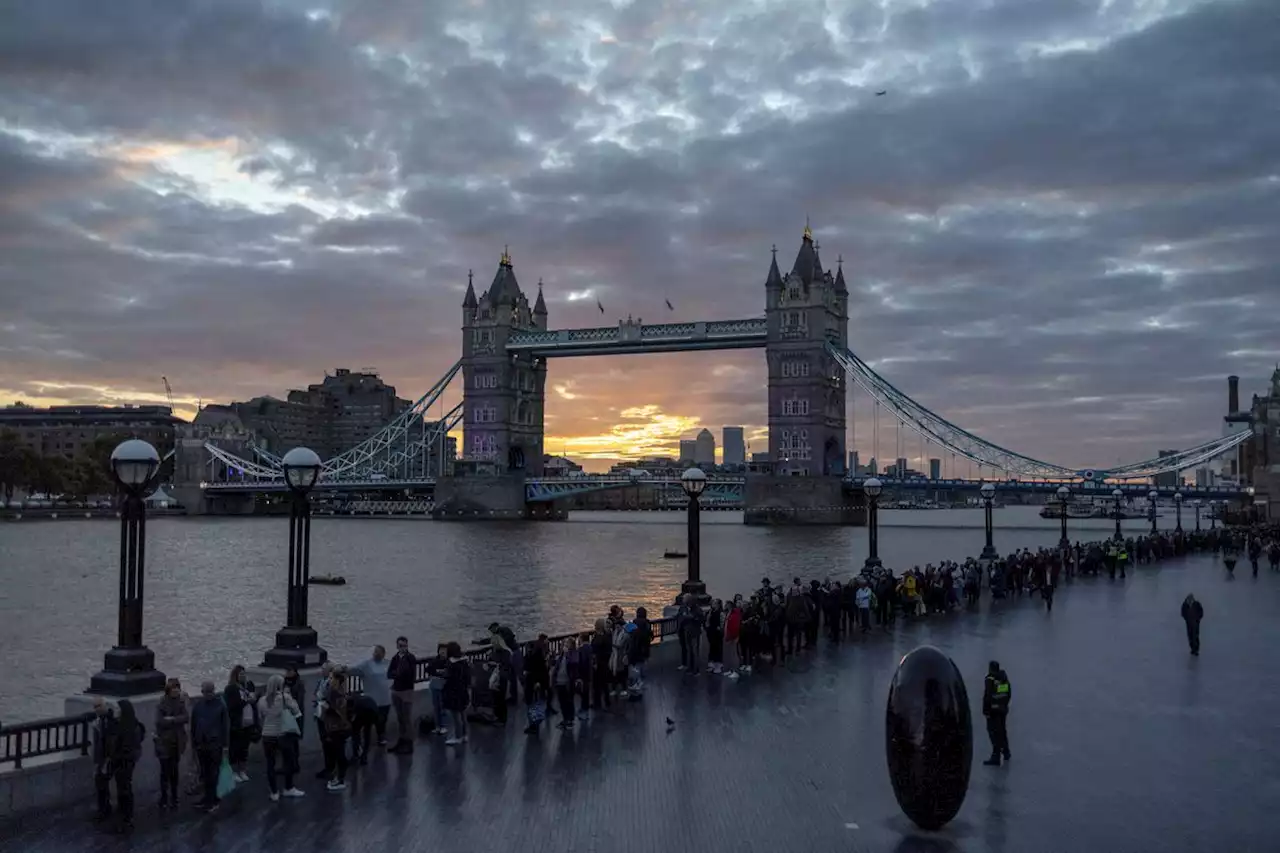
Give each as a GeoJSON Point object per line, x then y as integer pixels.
{"type": "Point", "coordinates": [872, 488]}
{"type": "Point", "coordinates": [1152, 496]}
{"type": "Point", "coordinates": [1213, 518]}
{"type": "Point", "coordinates": [988, 496]}
{"type": "Point", "coordinates": [1177, 506]}
{"type": "Point", "coordinates": [297, 644]}
{"type": "Point", "coordinates": [1117, 494]}
{"type": "Point", "coordinates": [129, 668]}
{"type": "Point", "coordinates": [1064, 495]}
{"type": "Point", "coordinates": [1197, 506]}
{"type": "Point", "coordinates": [694, 481]}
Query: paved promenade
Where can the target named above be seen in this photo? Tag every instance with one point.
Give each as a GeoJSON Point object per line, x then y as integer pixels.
{"type": "Point", "coordinates": [1121, 742]}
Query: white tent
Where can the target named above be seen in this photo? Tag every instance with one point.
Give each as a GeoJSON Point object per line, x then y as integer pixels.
{"type": "Point", "coordinates": [161, 498]}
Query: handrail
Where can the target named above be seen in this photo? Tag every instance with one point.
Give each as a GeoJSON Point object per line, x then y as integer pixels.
{"type": "Point", "coordinates": [45, 737]}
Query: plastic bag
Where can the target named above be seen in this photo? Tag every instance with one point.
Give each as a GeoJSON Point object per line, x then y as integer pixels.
{"type": "Point", "coordinates": [226, 779]}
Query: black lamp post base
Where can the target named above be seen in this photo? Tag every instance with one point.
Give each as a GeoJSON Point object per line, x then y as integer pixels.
{"type": "Point", "coordinates": [1064, 544]}
{"type": "Point", "coordinates": [296, 648]}
{"type": "Point", "coordinates": [872, 563]}
{"type": "Point", "coordinates": [988, 553]}
{"type": "Point", "coordinates": [127, 672]}
{"type": "Point", "coordinates": [698, 590]}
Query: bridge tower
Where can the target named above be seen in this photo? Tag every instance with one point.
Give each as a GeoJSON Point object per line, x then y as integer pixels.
{"type": "Point", "coordinates": [504, 394]}
{"type": "Point", "coordinates": [804, 309]}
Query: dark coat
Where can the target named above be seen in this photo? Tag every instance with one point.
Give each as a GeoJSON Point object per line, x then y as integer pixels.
{"type": "Point", "coordinates": [171, 727]}
{"type": "Point", "coordinates": [1192, 612]}
{"type": "Point", "coordinates": [457, 685]}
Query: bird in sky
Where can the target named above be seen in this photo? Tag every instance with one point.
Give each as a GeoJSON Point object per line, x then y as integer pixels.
{"type": "Point", "coordinates": [882, 92]}
{"type": "Point", "coordinates": [669, 305]}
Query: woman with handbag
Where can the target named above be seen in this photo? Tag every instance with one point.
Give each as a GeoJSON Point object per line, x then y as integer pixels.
{"type": "Point", "coordinates": [281, 731]}
{"type": "Point", "coordinates": [457, 692]}
{"type": "Point", "coordinates": [170, 740]}
{"type": "Point", "coordinates": [335, 724]}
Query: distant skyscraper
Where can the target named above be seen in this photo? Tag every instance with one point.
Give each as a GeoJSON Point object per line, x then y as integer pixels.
{"type": "Point", "coordinates": [854, 463]}
{"type": "Point", "coordinates": [1204, 477]}
{"type": "Point", "coordinates": [871, 467]}
{"type": "Point", "coordinates": [935, 469]}
{"type": "Point", "coordinates": [704, 452]}
{"type": "Point", "coordinates": [1171, 479]}
{"type": "Point", "coordinates": [735, 446]}
{"type": "Point", "coordinates": [901, 466]}
{"type": "Point", "coordinates": [688, 450]}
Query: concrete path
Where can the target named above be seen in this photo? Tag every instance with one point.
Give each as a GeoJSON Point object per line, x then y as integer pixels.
{"type": "Point", "coordinates": [1122, 742]}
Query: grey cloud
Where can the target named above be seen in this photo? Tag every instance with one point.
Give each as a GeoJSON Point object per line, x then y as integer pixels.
{"type": "Point", "coordinates": [1045, 247]}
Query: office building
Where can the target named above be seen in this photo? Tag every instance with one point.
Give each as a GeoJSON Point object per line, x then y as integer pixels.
{"type": "Point", "coordinates": [855, 465]}
{"type": "Point", "coordinates": [901, 466]}
{"type": "Point", "coordinates": [688, 450]}
{"type": "Point", "coordinates": [68, 431]}
{"type": "Point", "coordinates": [935, 469]}
{"type": "Point", "coordinates": [704, 452]}
{"type": "Point", "coordinates": [1170, 479]}
{"type": "Point", "coordinates": [734, 453]}
{"type": "Point", "coordinates": [331, 417]}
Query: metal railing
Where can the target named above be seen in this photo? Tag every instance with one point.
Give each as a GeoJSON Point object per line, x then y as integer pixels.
{"type": "Point", "coordinates": [45, 737]}
{"type": "Point", "coordinates": [71, 733]}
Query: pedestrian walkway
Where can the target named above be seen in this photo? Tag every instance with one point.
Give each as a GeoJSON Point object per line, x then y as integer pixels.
{"type": "Point", "coordinates": [1121, 742]}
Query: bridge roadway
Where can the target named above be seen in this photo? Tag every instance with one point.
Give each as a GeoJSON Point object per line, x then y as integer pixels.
{"type": "Point", "coordinates": [725, 486]}
{"type": "Point", "coordinates": [1121, 742]}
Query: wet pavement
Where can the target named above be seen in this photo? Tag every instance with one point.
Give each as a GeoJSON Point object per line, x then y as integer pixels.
{"type": "Point", "coordinates": [1121, 742]}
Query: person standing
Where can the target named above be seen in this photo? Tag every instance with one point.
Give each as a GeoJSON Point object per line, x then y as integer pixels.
{"type": "Point", "coordinates": [996, 696]}
{"type": "Point", "coordinates": [123, 750]}
{"type": "Point", "coordinates": [210, 731]}
{"type": "Point", "coordinates": [170, 740]}
{"type": "Point", "coordinates": [242, 710]}
{"type": "Point", "coordinates": [403, 674]}
{"type": "Point", "coordinates": [1192, 613]}
{"type": "Point", "coordinates": [280, 717]}
{"type": "Point", "coordinates": [103, 730]}
{"type": "Point", "coordinates": [377, 687]}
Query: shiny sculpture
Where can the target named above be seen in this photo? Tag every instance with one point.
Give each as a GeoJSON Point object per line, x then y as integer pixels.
{"type": "Point", "coordinates": [928, 737]}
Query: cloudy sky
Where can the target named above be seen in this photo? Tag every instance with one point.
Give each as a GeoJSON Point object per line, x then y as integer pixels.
{"type": "Point", "coordinates": [1060, 226]}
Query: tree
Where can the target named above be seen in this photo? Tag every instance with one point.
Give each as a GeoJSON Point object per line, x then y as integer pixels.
{"type": "Point", "coordinates": [51, 476]}
{"type": "Point", "coordinates": [12, 465]}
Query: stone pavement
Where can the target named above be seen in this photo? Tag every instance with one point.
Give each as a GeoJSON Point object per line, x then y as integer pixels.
{"type": "Point", "coordinates": [1121, 741]}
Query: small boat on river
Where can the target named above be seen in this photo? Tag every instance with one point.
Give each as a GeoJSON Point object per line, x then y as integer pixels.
{"type": "Point", "coordinates": [327, 580]}
{"type": "Point", "coordinates": [674, 555]}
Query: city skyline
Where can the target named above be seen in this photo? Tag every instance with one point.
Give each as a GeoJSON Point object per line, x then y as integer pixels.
{"type": "Point", "coordinates": [1059, 227]}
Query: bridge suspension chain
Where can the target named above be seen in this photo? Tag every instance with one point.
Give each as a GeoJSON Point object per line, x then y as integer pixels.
{"type": "Point", "coordinates": [961, 442]}
{"type": "Point", "coordinates": [947, 434]}
{"type": "Point", "coordinates": [374, 448]}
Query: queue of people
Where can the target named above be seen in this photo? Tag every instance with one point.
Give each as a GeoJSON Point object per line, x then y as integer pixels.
{"type": "Point", "coordinates": [584, 675]}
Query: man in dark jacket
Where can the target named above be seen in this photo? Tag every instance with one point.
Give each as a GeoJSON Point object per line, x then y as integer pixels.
{"type": "Point", "coordinates": [403, 673]}
{"type": "Point", "coordinates": [996, 696]}
{"type": "Point", "coordinates": [1192, 613]}
{"type": "Point", "coordinates": [210, 733]}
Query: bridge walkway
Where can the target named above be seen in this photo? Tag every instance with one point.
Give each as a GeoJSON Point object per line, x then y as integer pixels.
{"type": "Point", "coordinates": [1121, 741]}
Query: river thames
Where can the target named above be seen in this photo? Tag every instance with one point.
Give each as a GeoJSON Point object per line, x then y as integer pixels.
{"type": "Point", "coordinates": [215, 587]}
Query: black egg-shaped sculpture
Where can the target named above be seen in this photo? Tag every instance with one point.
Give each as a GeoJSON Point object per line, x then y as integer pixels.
{"type": "Point", "coordinates": [928, 737]}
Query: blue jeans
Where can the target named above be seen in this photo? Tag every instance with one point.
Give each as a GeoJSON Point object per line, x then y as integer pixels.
{"type": "Point", "coordinates": [437, 706]}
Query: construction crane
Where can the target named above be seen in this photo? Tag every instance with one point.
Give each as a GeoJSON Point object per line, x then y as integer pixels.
{"type": "Point", "coordinates": [168, 392]}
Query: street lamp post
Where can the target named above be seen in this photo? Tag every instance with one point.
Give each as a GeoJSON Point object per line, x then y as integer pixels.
{"type": "Point", "coordinates": [1117, 494]}
{"type": "Point", "coordinates": [694, 481]}
{"type": "Point", "coordinates": [988, 492]}
{"type": "Point", "coordinates": [1213, 516]}
{"type": "Point", "coordinates": [1064, 495]}
{"type": "Point", "coordinates": [1177, 508]}
{"type": "Point", "coordinates": [872, 488]}
{"type": "Point", "coordinates": [1196, 504]}
{"type": "Point", "coordinates": [297, 644]}
{"type": "Point", "coordinates": [129, 668]}
{"type": "Point", "coordinates": [1249, 506]}
{"type": "Point", "coordinates": [1152, 496]}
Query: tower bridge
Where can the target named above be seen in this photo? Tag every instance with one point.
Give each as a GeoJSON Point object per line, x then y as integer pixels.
{"type": "Point", "coordinates": [507, 345]}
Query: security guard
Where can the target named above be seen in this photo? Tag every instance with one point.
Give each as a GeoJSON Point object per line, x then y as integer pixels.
{"type": "Point", "coordinates": [996, 695]}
